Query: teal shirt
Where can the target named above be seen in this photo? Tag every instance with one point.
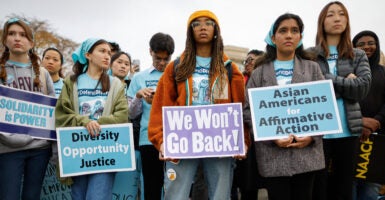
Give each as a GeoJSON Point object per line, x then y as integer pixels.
{"type": "Point", "coordinates": [201, 86]}
{"type": "Point", "coordinates": [91, 99]}
{"type": "Point", "coordinates": [284, 71]}
{"type": "Point", "coordinates": [58, 85]}
{"type": "Point", "coordinates": [332, 61]}
{"type": "Point", "coordinates": [145, 79]}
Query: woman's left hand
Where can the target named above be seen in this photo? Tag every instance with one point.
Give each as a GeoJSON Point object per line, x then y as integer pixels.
{"type": "Point", "coordinates": [241, 157]}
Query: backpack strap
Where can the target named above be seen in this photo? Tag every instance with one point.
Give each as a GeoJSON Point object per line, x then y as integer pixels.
{"type": "Point", "coordinates": [229, 69]}
{"type": "Point", "coordinates": [176, 62]}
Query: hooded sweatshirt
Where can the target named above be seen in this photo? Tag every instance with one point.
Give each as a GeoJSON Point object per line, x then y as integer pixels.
{"type": "Point", "coordinates": [21, 76]}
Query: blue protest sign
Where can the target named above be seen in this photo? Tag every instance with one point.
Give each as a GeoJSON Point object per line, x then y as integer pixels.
{"type": "Point", "coordinates": [24, 112]}
{"type": "Point", "coordinates": [302, 109]}
{"type": "Point", "coordinates": [52, 188]}
{"type": "Point", "coordinates": [203, 131]}
{"type": "Point", "coordinates": [111, 151]}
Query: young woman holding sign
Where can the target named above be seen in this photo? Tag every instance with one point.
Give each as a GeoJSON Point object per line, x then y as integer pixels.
{"type": "Point", "coordinates": [288, 164]}
{"type": "Point", "coordinates": [349, 70]}
{"type": "Point", "coordinates": [23, 160]}
{"type": "Point", "coordinates": [202, 62]}
{"type": "Point", "coordinates": [92, 60]}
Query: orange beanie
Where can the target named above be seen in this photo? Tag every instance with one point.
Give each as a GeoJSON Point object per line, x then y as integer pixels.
{"type": "Point", "coordinates": [202, 13]}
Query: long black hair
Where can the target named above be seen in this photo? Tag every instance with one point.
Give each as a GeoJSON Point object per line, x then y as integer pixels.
{"type": "Point", "coordinates": [271, 51]}
{"type": "Point", "coordinates": [61, 59]}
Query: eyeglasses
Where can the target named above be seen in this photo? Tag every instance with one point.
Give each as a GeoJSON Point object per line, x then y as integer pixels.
{"type": "Point", "coordinates": [199, 24]}
{"type": "Point", "coordinates": [248, 60]}
{"type": "Point", "coordinates": [362, 44]}
{"type": "Point", "coordinates": [16, 19]}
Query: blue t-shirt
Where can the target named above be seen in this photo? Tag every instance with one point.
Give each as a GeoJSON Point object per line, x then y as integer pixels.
{"type": "Point", "coordinates": [332, 61]}
{"type": "Point", "coordinates": [201, 85]}
{"type": "Point", "coordinates": [283, 71]}
{"type": "Point", "coordinates": [58, 85]}
{"type": "Point", "coordinates": [145, 79]}
{"type": "Point", "coordinates": [91, 99]}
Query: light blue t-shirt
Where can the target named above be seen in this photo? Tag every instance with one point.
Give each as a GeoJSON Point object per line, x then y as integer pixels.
{"type": "Point", "coordinates": [19, 64]}
{"type": "Point", "coordinates": [145, 79]}
{"type": "Point", "coordinates": [284, 71]}
{"type": "Point", "coordinates": [201, 85]}
{"type": "Point", "coordinates": [58, 85]}
{"type": "Point", "coordinates": [91, 99]}
{"type": "Point", "coordinates": [332, 61]}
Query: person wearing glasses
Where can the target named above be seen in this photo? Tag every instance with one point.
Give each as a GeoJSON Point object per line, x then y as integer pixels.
{"type": "Point", "coordinates": [372, 106]}
{"type": "Point", "coordinates": [249, 63]}
{"type": "Point", "coordinates": [23, 159]}
{"type": "Point", "coordinates": [140, 95]}
{"type": "Point", "coordinates": [201, 67]}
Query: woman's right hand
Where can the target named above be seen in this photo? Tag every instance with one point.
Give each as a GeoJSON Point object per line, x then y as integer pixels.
{"type": "Point", "coordinates": [285, 142]}
{"type": "Point", "coordinates": [161, 156]}
{"type": "Point", "coordinates": [93, 128]}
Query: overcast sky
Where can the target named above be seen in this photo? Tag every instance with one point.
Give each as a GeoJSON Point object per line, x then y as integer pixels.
{"type": "Point", "coordinates": [131, 23]}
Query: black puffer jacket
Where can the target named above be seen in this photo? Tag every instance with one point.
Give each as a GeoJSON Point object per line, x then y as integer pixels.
{"type": "Point", "coordinates": [351, 90]}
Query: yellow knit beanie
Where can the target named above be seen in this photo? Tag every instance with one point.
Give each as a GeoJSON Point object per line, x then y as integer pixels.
{"type": "Point", "coordinates": [202, 13]}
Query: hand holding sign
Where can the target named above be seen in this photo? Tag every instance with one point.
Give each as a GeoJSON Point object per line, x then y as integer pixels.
{"type": "Point", "coordinates": [203, 131]}
{"type": "Point", "coordinates": [93, 128]}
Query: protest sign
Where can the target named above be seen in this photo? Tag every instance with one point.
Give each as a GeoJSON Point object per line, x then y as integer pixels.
{"type": "Point", "coordinates": [52, 188]}
{"type": "Point", "coordinates": [111, 151]}
{"type": "Point", "coordinates": [203, 131]}
{"type": "Point", "coordinates": [302, 109]}
{"type": "Point", "coordinates": [127, 185]}
{"type": "Point", "coordinates": [25, 112]}
{"type": "Point", "coordinates": [371, 160]}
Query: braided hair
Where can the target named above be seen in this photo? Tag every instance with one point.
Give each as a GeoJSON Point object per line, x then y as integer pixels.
{"type": "Point", "coordinates": [35, 60]}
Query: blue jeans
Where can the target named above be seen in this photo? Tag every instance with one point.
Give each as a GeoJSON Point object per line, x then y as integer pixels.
{"type": "Point", "coordinates": [363, 190]}
{"type": "Point", "coordinates": [93, 186]}
{"type": "Point", "coordinates": [218, 173]}
{"type": "Point", "coordinates": [23, 170]}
